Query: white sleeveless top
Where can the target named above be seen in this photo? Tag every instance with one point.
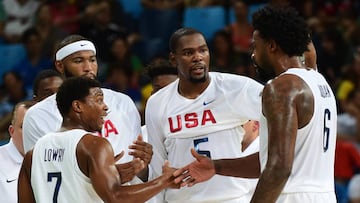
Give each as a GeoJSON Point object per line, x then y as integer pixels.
{"type": "Point", "coordinates": [313, 166]}
{"type": "Point", "coordinates": [55, 173]}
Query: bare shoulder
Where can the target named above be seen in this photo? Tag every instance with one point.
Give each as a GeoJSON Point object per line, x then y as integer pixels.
{"type": "Point", "coordinates": [288, 92]}
{"type": "Point", "coordinates": [91, 150]}
{"type": "Point", "coordinates": [91, 144]}
{"type": "Point", "coordinates": [285, 86]}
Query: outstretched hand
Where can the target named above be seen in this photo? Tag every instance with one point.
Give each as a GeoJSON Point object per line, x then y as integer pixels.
{"type": "Point", "coordinates": [200, 170]}
{"type": "Point", "coordinates": [129, 169]}
{"type": "Point", "coordinates": [141, 149]}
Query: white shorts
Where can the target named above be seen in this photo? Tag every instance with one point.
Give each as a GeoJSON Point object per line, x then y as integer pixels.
{"type": "Point", "coordinates": [308, 197]}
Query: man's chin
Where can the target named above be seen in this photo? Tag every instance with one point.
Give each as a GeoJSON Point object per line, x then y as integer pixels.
{"type": "Point", "coordinates": [198, 79]}
{"type": "Point", "coordinates": [91, 76]}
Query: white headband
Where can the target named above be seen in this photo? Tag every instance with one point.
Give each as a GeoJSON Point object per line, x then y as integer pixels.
{"type": "Point", "coordinates": [82, 45]}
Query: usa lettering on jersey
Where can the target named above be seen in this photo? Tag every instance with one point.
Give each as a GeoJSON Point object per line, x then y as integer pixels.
{"type": "Point", "coordinates": [109, 128]}
{"type": "Point", "coordinates": [191, 120]}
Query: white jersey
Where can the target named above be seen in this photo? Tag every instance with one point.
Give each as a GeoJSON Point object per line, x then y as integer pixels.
{"type": "Point", "coordinates": [158, 197]}
{"type": "Point", "coordinates": [121, 126]}
{"type": "Point", "coordinates": [211, 124]}
{"type": "Point", "coordinates": [313, 166]}
{"type": "Point", "coordinates": [10, 159]}
{"type": "Point", "coordinates": [55, 173]}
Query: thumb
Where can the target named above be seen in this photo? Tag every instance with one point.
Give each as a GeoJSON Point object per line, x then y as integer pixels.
{"type": "Point", "coordinates": [167, 163]}
{"type": "Point", "coordinates": [196, 155]}
{"type": "Point", "coordinates": [119, 156]}
{"type": "Point", "coordinates": [140, 137]}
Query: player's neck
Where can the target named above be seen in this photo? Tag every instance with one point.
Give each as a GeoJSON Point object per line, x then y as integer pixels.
{"type": "Point", "coordinates": [69, 124]}
{"type": "Point", "coordinates": [284, 63]}
{"type": "Point", "coordinates": [192, 90]}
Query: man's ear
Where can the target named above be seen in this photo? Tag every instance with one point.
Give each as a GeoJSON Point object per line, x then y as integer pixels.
{"type": "Point", "coordinates": [59, 67]}
{"type": "Point", "coordinates": [11, 130]}
{"type": "Point", "coordinates": [272, 45]}
{"type": "Point", "coordinates": [172, 59]}
{"type": "Point", "coordinates": [77, 106]}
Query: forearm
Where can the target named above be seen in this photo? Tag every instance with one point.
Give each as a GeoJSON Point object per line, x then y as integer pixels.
{"type": "Point", "coordinates": [270, 185]}
{"type": "Point", "coordinates": [142, 192]}
{"type": "Point", "coordinates": [244, 167]}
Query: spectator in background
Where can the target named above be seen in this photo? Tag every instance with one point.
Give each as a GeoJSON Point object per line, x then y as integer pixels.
{"type": "Point", "coordinates": [202, 3]}
{"type": "Point", "coordinates": [349, 121]}
{"type": "Point", "coordinates": [241, 30]}
{"type": "Point", "coordinates": [34, 62]}
{"type": "Point", "coordinates": [66, 15]}
{"type": "Point", "coordinates": [19, 16]}
{"type": "Point", "coordinates": [349, 80]}
{"type": "Point", "coordinates": [162, 4]}
{"type": "Point", "coordinates": [347, 163]}
{"type": "Point", "coordinates": [46, 83]}
{"type": "Point", "coordinates": [157, 22]}
{"type": "Point", "coordinates": [121, 53]}
{"type": "Point", "coordinates": [49, 33]}
{"type": "Point", "coordinates": [333, 54]}
{"type": "Point", "coordinates": [224, 59]}
{"type": "Point", "coordinates": [12, 154]}
{"type": "Point", "coordinates": [102, 29]}
{"type": "Point", "coordinates": [347, 154]}
{"type": "Point", "coordinates": [15, 93]}
{"type": "Point", "coordinates": [118, 78]}
{"type": "Point", "coordinates": [347, 23]}
{"type": "Point", "coordinates": [354, 189]}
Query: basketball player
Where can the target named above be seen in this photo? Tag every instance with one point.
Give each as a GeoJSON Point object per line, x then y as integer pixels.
{"type": "Point", "coordinates": [72, 165]}
{"type": "Point", "coordinates": [204, 111]}
{"type": "Point", "coordinates": [298, 129]}
{"type": "Point", "coordinates": [76, 56]}
{"type": "Point", "coordinates": [46, 83]}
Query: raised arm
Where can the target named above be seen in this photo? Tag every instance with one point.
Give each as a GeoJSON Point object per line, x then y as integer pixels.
{"type": "Point", "coordinates": [142, 150]}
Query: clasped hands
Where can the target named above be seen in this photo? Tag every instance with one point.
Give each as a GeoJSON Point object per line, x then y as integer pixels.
{"type": "Point", "coordinates": [200, 170]}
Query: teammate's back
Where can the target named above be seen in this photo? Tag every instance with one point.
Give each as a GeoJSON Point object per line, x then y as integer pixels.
{"type": "Point", "coordinates": [313, 165]}
{"type": "Point", "coordinates": [57, 175]}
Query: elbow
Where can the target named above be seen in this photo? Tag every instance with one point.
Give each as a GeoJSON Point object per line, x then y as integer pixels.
{"type": "Point", "coordinates": [279, 171]}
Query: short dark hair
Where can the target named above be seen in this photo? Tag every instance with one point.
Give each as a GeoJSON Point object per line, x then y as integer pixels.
{"type": "Point", "coordinates": [70, 39]}
{"type": "Point", "coordinates": [17, 76]}
{"type": "Point", "coordinates": [160, 67]}
{"type": "Point", "coordinates": [74, 88]}
{"type": "Point", "coordinates": [174, 39]}
{"type": "Point", "coordinates": [47, 73]}
{"type": "Point", "coordinates": [285, 26]}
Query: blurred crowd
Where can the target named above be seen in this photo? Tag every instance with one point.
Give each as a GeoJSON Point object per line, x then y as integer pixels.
{"type": "Point", "coordinates": [129, 34]}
